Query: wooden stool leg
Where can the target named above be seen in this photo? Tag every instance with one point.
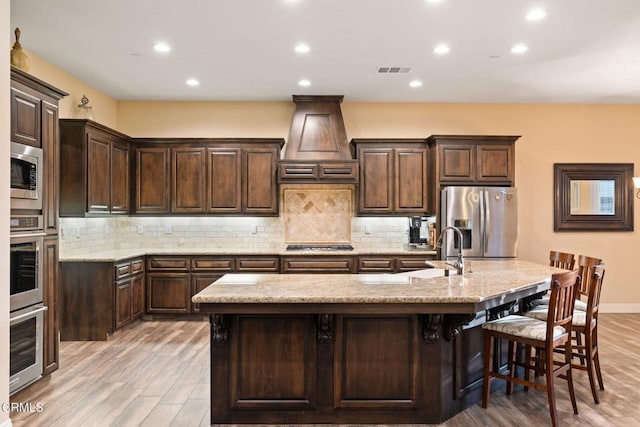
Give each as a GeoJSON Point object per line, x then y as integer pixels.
{"type": "Point", "coordinates": [588, 348]}
{"type": "Point", "coordinates": [488, 361]}
{"type": "Point", "coordinates": [579, 344]}
{"type": "Point", "coordinates": [511, 365]}
{"type": "Point", "coordinates": [567, 360]}
{"type": "Point", "coordinates": [596, 357]}
{"type": "Point", "coordinates": [551, 396]}
{"type": "Point", "coordinates": [527, 362]}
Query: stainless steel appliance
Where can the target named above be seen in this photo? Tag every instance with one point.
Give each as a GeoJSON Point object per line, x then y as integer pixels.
{"type": "Point", "coordinates": [25, 346]}
{"type": "Point", "coordinates": [487, 218]}
{"type": "Point", "coordinates": [26, 177]}
{"type": "Point", "coordinates": [25, 270]}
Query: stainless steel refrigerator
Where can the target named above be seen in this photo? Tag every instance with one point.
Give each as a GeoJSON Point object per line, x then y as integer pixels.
{"type": "Point", "coordinates": [487, 218]}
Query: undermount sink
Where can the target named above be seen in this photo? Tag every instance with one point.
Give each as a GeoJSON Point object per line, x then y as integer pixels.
{"type": "Point", "coordinates": [430, 272]}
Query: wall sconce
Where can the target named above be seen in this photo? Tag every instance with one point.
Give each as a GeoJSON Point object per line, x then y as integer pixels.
{"type": "Point", "coordinates": [636, 183]}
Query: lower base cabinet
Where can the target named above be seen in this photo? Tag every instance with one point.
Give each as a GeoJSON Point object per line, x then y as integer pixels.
{"type": "Point", "coordinates": [168, 293]}
{"type": "Point", "coordinates": [98, 298]}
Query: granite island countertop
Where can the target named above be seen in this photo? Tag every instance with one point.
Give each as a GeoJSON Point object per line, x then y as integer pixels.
{"type": "Point", "coordinates": [115, 255]}
{"type": "Point", "coordinates": [488, 279]}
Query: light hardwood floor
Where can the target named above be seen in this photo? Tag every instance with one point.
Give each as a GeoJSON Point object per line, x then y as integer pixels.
{"type": "Point", "coordinates": [156, 373]}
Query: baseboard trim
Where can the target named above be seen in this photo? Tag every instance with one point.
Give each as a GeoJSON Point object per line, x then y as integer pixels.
{"type": "Point", "coordinates": [619, 308]}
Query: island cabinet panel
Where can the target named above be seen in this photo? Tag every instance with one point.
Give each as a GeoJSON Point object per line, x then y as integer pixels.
{"type": "Point", "coordinates": [188, 180]}
{"type": "Point", "coordinates": [273, 363]}
{"type": "Point", "coordinates": [152, 172]}
{"type": "Point", "coordinates": [224, 180]}
{"type": "Point", "coordinates": [377, 362]}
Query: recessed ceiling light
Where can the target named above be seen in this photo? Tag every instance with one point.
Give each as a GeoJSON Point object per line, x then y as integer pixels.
{"type": "Point", "coordinates": [519, 48]}
{"type": "Point", "coordinates": [192, 82]}
{"type": "Point", "coordinates": [304, 83]}
{"type": "Point", "coordinates": [161, 47]}
{"type": "Point", "coordinates": [441, 49]}
{"type": "Point", "coordinates": [415, 83]}
{"type": "Point", "coordinates": [302, 48]}
{"type": "Point", "coordinates": [536, 14]}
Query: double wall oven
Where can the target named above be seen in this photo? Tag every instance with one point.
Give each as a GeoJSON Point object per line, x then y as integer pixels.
{"type": "Point", "coordinates": [26, 262]}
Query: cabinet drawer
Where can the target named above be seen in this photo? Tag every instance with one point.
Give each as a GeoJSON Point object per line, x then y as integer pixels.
{"type": "Point", "coordinates": [267, 264]}
{"type": "Point", "coordinates": [374, 265]}
{"type": "Point", "coordinates": [122, 270]}
{"type": "Point", "coordinates": [137, 266]}
{"type": "Point", "coordinates": [156, 263]}
{"type": "Point", "coordinates": [298, 171]}
{"type": "Point", "coordinates": [338, 171]}
{"type": "Point", "coordinates": [318, 265]}
{"type": "Point", "coordinates": [408, 264]}
{"type": "Point", "coordinates": [212, 264]}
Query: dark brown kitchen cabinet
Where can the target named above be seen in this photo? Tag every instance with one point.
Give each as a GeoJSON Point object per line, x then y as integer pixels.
{"type": "Point", "coordinates": [318, 264]}
{"type": "Point", "coordinates": [474, 159]}
{"type": "Point", "coordinates": [392, 263]}
{"type": "Point", "coordinates": [94, 172]}
{"type": "Point", "coordinates": [25, 115]}
{"type": "Point", "coordinates": [393, 177]}
{"type": "Point", "coordinates": [199, 281]}
{"type": "Point", "coordinates": [97, 298]}
{"type": "Point", "coordinates": [152, 175]}
{"type": "Point", "coordinates": [168, 285]}
{"type": "Point", "coordinates": [188, 180]}
{"type": "Point", "coordinates": [51, 326]}
{"type": "Point", "coordinates": [260, 192]}
{"type": "Point", "coordinates": [224, 176]}
{"type": "Point", "coordinates": [50, 136]}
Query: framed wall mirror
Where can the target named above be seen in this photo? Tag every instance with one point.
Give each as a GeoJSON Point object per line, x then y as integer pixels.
{"type": "Point", "coordinates": [593, 197]}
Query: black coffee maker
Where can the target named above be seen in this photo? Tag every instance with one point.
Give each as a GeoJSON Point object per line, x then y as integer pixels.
{"type": "Point", "coordinates": [418, 231]}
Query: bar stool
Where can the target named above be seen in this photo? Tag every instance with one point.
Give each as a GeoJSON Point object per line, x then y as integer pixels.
{"type": "Point", "coordinates": [561, 260]}
{"type": "Point", "coordinates": [585, 323]}
{"type": "Point", "coordinates": [543, 336]}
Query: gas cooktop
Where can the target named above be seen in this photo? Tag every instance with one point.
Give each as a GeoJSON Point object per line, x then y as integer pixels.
{"type": "Point", "coordinates": [319, 248]}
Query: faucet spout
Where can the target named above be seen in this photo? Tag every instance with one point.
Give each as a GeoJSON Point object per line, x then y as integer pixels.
{"type": "Point", "coordinates": [459, 264]}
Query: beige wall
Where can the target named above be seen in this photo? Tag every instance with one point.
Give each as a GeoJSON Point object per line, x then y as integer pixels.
{"type": "Point", "coordinates": [104, 107]}
{"type": "Point", "coordinates": [550, 133]}
{"type": "Point", "coordinates": [4, 212]}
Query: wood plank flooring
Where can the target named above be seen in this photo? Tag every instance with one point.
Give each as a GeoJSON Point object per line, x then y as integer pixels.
{"type": "Point", "coordinates": [156, 373]}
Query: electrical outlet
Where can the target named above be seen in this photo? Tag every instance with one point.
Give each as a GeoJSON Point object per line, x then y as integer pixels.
{"type": "Point", "coordinates": [167, 229]}
{"type": "Point", "coordinates": [367, 229]}
{"type": "Point", "coordinates": [139, 229]}
{"type": "Point", "coordinates": [254, 229]}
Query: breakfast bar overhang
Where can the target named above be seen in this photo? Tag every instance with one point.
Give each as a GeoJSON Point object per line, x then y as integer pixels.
{"type": "Point", "coordinates": [339, 348]}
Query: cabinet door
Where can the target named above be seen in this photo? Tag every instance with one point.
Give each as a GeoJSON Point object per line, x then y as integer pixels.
{"type": "Point", "coordinates": [50, 300]}
{"type": "Point", "coordinates": [224, 180]}
{"type": "Point", "coordinates": [260, 193]}
{"type": "Point", "coordinates": [457, 163]}
{"type": "Point", "coordinates": [137, 296]}
{"type": "Point", "coordinates": [98, 173]}
{"type": "Point", "coordinates": [188, 180]}
{"type": "Point", "coordinates": [410, 178]}
{"type": "Point", "coordinates": [25, 117]}
{"type": "Point", "coordinates": [168, 293]}
{"type": "Point", "coordinates": [495, 163]}
{"type": "Point", "coordinates": [120, 177]}
{"type": "Point", "coordinates": [152, 180]}
{"type": "Point", "coordinates": [198, 283]}
{"type": "Point", "coordinates": [376, 181]}
{"type": "Point", "coordinates": [51, 150]}
{"type": "Point", "coordinates": [123, 303]}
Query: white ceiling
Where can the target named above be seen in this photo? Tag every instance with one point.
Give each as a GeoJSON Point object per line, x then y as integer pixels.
{"type": "Point", "coordinates": [584, 51]}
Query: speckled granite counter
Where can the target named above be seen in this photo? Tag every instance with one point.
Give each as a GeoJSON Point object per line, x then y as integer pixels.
{"type": "Point", "coordinates": [488, 279]}
{"type": "Point", "coordinates": [122, 254]}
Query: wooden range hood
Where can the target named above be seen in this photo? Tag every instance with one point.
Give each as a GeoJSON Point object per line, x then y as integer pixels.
{"type": "Point", "coordinates": [317, 150]}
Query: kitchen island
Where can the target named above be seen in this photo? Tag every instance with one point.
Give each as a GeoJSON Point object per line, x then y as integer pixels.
{"type": "Point", "coordinates": [358, 348]}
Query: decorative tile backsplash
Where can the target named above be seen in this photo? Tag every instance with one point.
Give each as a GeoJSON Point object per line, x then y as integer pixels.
{"type": "Point", "coordinates": [317, 213]}
{"type": "Point", "coordinates": [329, 217]}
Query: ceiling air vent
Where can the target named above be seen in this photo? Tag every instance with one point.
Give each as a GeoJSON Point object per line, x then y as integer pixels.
{"type": "Point", "coordinates": [393, 70]}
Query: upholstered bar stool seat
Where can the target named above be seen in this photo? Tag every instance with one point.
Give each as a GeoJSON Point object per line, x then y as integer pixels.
{"type": "Point", "coordinates": [525, 327]}
{"type": "Point", "coordinates": [544, 302]}
{"type": "Point", "coordinates": [541, 313]}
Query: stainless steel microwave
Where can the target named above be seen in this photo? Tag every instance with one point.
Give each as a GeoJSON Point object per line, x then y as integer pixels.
{"type": "Point", "coordinates": [26, 177]}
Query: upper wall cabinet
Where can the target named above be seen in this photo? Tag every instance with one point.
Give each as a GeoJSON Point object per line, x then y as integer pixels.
{"type": "Point", "coordinates": [474, 159]}
{"type": "Point", "coordinates": [393, 176]}
{"type": "Point", "coordinates": [94, 177]}
{"type": "Point", "coordinates": [210, 176]}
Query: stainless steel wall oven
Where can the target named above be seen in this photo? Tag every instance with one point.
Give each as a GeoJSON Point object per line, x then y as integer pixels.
{"type": "Point", "coordinates": [25, 346]}
{"type": "Point", "coordinates": [25, 270]}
